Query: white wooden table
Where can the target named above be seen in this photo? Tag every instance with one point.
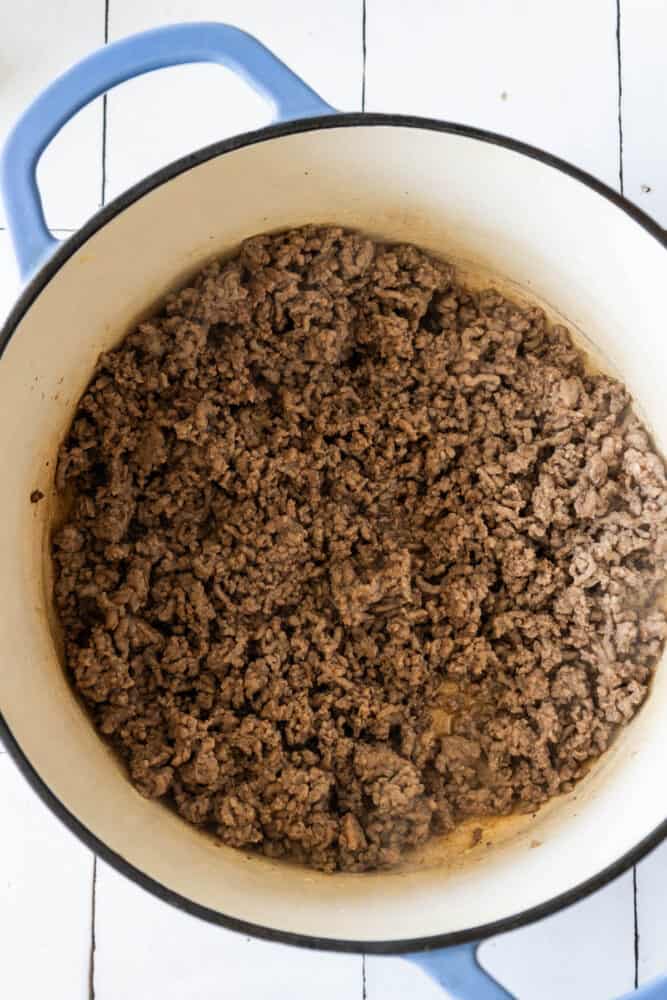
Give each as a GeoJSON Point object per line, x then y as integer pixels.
{"type": "Point", "coordinates": [582, 78]}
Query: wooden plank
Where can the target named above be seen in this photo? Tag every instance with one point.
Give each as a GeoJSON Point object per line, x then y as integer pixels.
{"type": "Point", "coordinates": [38, 43]}
{"type": "Point", "coordinates": [543, 73]}
{"type": "Point", "coordinates": [158, 118]}
{"type": "Point", "coordinates": [644, 105]}
{"type": "Point", "coordinates": [148, 949]}
{"type": "Point", "coordinates": [45, 898]}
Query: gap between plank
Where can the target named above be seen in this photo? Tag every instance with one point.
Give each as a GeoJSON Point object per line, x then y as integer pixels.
{"type": "Point", "coordinates": [103, 192]}
{"type": "Point", "coordinates": [620, 95]}
{"type": "Point", "coordinates": [103, 195]}
{"type": "Point", "coordinates": [364, 994]}
{"type": "Point", "coordinates": [619, 70]}
{"type": "Point", "coordinates": [363, 55]}
{"type": "Point", "coordinates": [636, 924]}
{"type": "Point", "coordinates": [91, 960]}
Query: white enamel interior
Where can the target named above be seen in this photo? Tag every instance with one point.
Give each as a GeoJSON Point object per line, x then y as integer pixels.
{"type": "Point", "coordinates": [461, 197]}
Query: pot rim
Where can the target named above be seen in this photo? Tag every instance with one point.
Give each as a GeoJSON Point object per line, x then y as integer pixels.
{"type": "Point", "coordinates": [38, 282]}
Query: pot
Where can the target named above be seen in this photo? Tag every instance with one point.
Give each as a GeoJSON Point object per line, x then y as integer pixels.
{"type": "Point", "coordinates": [496, 207]}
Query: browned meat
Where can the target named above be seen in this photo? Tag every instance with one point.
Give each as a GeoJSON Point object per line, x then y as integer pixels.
{"type": "Point", "coordinates": [355, 553]}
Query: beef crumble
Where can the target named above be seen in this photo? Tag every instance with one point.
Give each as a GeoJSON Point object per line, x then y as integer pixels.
{"type": "Point", "coordinates": [354, 553]}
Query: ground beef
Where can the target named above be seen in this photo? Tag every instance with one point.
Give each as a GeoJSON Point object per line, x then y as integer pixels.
{"type": "Point", "coordinates": [354, 553]}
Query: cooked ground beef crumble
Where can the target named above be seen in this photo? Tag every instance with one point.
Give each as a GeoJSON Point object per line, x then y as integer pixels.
{"type": "Point", "coordinates": [353, 553]}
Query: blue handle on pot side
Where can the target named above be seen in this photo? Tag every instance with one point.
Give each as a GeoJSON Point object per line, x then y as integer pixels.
{"type": "Point", "coordinates": [114, 64]}
{"type": "Point", "coordinates": [458, 970]}
{"type": "Point", "coordinates": [455, 968]}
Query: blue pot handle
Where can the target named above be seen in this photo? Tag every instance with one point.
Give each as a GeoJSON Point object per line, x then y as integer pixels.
{"type": "Point", "coordinates": [655, 990]}
{"type": "Point", "coordinates": [115, 63]}
{"type": "Point", "coordinates": [459, 971]}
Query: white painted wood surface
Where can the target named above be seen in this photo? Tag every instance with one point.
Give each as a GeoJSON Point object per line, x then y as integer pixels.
{"type": "Point", "coordinates": [148, 950]}
{"type": "Point", "coordinates": [545, 73]}
{"type": "Point", "coordinates": [644, 104]}
{"type": "Point", "coordinates": [45, 898]}
{"type": "Point", "coordinates": [167, 114]}
{"type": "Point", "coordinates": [542, 72]}
{"type": "Point", "coordinates": [36, 44]}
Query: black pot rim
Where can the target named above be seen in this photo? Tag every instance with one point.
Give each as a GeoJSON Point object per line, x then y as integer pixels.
{"type": "Point", "coordinates": [37, 283]}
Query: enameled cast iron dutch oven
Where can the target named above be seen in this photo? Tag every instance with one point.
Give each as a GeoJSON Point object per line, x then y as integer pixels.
{"type": "Point", "coordinates": [490, 203]}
